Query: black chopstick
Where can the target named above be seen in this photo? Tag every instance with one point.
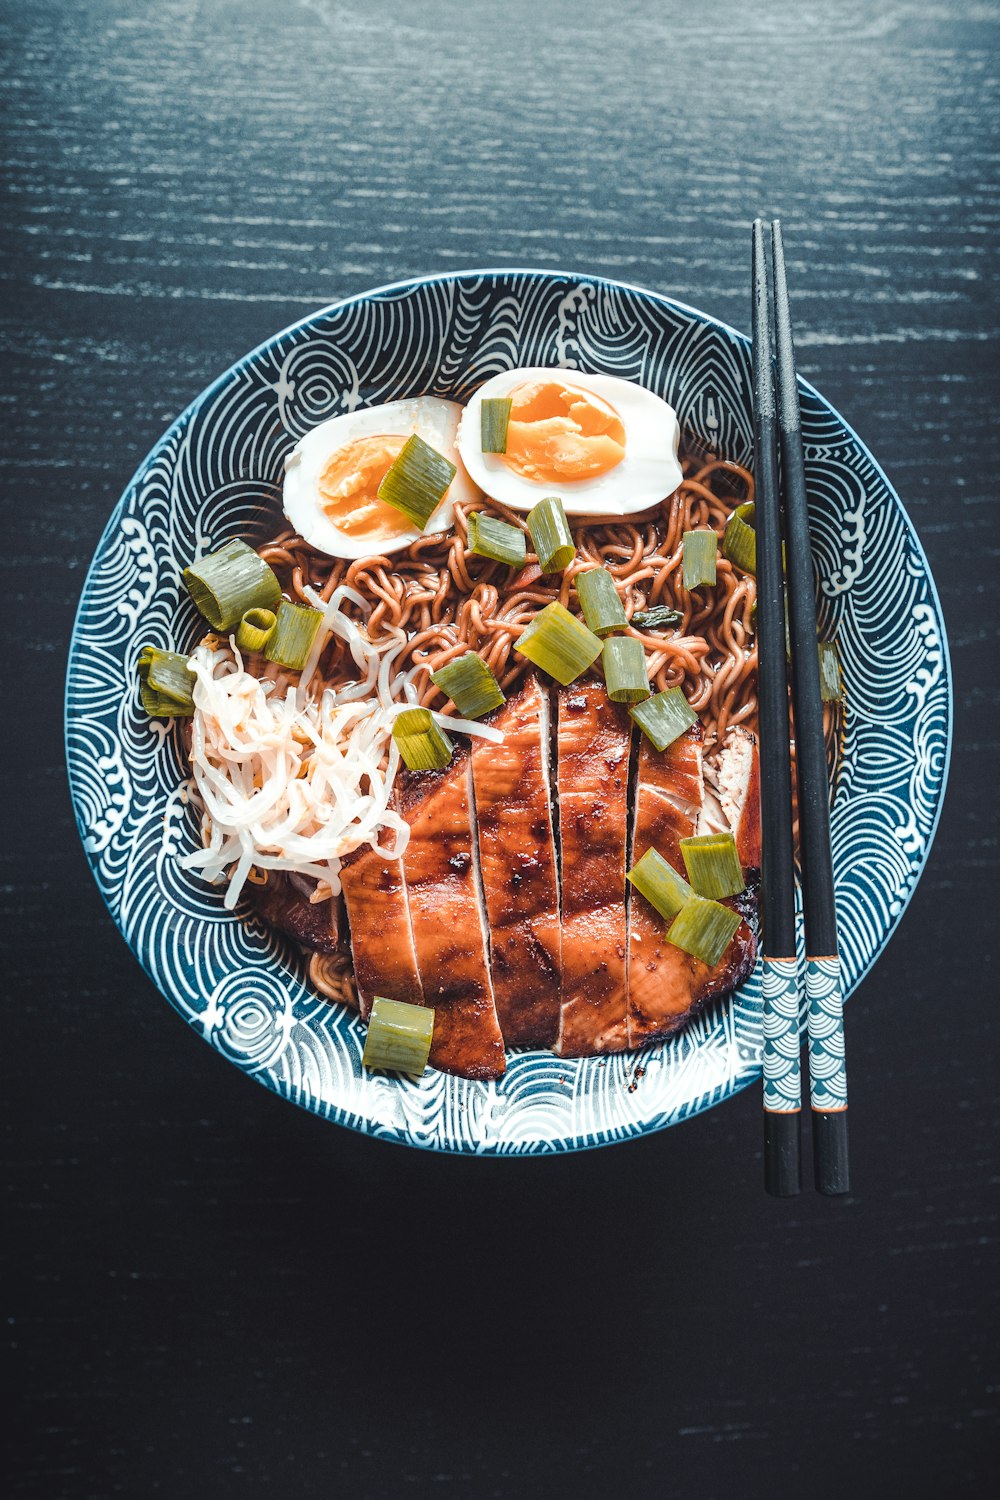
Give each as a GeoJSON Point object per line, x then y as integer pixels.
{"type": "Point", "coordinates": [782, 1074]}
{"type": "Point", "coordinates": [827, 1072]}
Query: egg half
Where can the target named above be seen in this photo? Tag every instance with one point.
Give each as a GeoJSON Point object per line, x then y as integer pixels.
{"type": "Point", "coordinates": [333, 473]}
{"type": "Point", "coordinates": [604, 445]}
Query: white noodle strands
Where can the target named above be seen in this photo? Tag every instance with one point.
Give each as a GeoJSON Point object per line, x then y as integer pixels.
{"type": "Point", "coordinates": [468, 726]}
{"type": "Point", "coordinates": [293, 781]}
{"type": "Point", "coordinates": [286, 785]}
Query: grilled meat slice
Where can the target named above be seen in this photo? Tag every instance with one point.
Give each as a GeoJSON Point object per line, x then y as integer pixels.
{"type": "Point", "coordinates": [732, 793]}
{"type": "Point", "coordinates": [449, 925]}
{"type": "Point", "coordinates": [381, 939]}
{"type": "Point", "coordinates": [518, 864]}
{"type": "Point", "coordinates": [677, 775]}
{"type": "Point", "coordinates": [665, 985]}
{"type": "Point", "coordinates": [285, 902]}
{"type": "Point", "coordinates": [593, 739]}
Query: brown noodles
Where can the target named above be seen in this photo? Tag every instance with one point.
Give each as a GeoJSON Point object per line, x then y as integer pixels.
{"type": "Point", "coordinates": [450, 601]}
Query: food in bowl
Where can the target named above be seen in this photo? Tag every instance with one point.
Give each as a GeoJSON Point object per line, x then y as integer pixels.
{"type": "Point", "coordinates": [478, 731]}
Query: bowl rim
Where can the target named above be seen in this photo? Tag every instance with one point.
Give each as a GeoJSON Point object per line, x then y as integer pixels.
{"type": "Point", "coordinates": [336, 1113]}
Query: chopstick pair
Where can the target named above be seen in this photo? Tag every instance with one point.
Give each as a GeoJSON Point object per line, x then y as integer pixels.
{"type": "Point", "coordinates": [779, 416]}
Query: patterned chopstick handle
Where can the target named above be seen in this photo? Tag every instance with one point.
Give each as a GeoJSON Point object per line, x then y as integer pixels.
{"type": "Point", "coordinates": [827, 1069]}
{"type": "Point", "coordinates": [782, 1069]}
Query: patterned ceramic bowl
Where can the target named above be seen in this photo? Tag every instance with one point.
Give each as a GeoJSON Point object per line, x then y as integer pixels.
{"type": "Point", "coordinates": [213, 475]}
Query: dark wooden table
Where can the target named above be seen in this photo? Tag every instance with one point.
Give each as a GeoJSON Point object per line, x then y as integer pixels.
{"type": "Point", "coordinates": [206, 1294]}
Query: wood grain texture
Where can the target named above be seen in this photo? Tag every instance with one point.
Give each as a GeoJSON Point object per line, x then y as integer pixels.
{"type": "Point", "coordinates": [201, 1304]}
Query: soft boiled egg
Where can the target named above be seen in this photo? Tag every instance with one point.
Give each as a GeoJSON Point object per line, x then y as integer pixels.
{"type": "Point", "coordinates": [333, 473]}
{"type": "Point", "coordinates": [604, 445]}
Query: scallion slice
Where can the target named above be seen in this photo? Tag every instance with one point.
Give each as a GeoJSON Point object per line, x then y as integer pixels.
{"type": "Point", "coordinates": [704, 929]}
{"type": "Point", "coordinates": [399, 1036]}
{"type": "Point", "coordinates": [293, 634]}
{"type": "Point", "coordinates": [700, 549]}
{"type": "Point", "coordinates": [713, 865]}
{"type": "Point", "coordinates": [166, 684]}
{"type": "Point", "coordinates": [550, 535]}
{"type": "Point", "coordinates": [422, 743]}
{"type": "Point", "coordinates": [559, 643]}
{"type": "Point", "coordinates": [254, 630]}
{"type": "Point", "coordinates": [624, 662]}
{"type": "Point", "coordinates": [227, 583]}
{"type": "Point", "coordinates": [602, 608]}
{"type": "Point", "coordinates": [660, 617]}
{"type": "Point", "coordinates": [660, 883]}
{"type": "Point", "coordinates": [739, 540]}
{"type": "Point", "coordinates": [417, 481]}
{"type": "Point", "coordinates": [831, 683]}
{"type": "Point", "coordinates": [470, 685]}
{"type": "Point", "coordinates": [496, 539]}
{"type": "Point", "coordinates": [413, 721]}
{"type": "Point", "coordinates": [664, 717]}
{"type": "Point", "coordinates": [494, 415]}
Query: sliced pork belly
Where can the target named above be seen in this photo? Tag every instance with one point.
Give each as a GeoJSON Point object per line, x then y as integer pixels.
{"type": "Point", "coordinates": [593, 742]}
{"type": "Point", "coordinates": [732, 793]}
{"type": "Point", "coordinates": [285, 901]}
{"type": "Point", "coordinates": [448, 921]}
{"type": "Point", "coordinates": [518, 865]}
{"type": "Point", "coordinates": [666, 985]}
{"type": "Point", "coordinates": [381, 937]}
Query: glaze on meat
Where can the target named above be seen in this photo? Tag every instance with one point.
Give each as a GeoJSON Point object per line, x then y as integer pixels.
{"type": "Point", "coordinates": [592, 769]}
{"type": "Point", "coordinates": [518, 864]}
{"type": "Point", "coordinates": [381, 937]}
{"type": "Point", "coordinates": [666, 985]}
{"type": "Point", "coordinates": [449, 925]}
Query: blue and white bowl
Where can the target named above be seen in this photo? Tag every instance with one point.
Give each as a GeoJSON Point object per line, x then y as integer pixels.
{"type": "Point", "coordinates": [214, 475]}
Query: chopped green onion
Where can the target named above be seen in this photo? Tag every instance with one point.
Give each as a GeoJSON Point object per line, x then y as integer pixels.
{"type": "Point", "coordinates": [166, 684]}
{"type": "Point", "coordinates": [550, 535]}
{"type": "Point", "coordinates": [293, 634]}
{"type": "Point", "coordinates": [713, 865]}
{"type": "Point", "coordinates": [625, 669]}
{"type": "Point", "coordinates": [664, 717]}
{"type": "Point", "coordinates": [700, 549]}
{"type": "Point", "coordinates": [413, 721]}
{"type": "Point", "coordinates": [739, 540]}
{"type": "Point", "coordinates": [227, 583]}
{"type": "Point", "coordinates": [490, 537]}
{"type": "Point", "coordinates": [470, 685]}
{"type": "Point", "coordinates": [831, 683]}
{"type": "Point", "coordinates": [399, 1036]}
{"type": "Point", "coordinates": [254, 630]}
{"type": "Point", "coordinates": [602, 608]}
{"type": "Point", "coordinates": [417, 481]}
{"type": "Point", "coordinates": [657, 618]}
{"type": "Point", "coordinates": [559, 643]}
{"type": "Point", "coordinates": [422, 743]}
{"type": "Point", "coordinates": [704, 929]}
{"type": "Point", "coordinates": [660, 883]}
{"type": "Point", "coordinates": [494, 415]}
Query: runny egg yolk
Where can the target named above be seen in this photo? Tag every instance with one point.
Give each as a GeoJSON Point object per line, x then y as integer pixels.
{"type": "Point", "coordinates": [348, 486]}
{"type": "Point", "coordinates": [558, 432]}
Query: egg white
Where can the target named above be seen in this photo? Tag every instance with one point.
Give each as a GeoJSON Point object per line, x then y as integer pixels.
{"type": "Point", "coordinates": [648, 472]}
{"type": "Point", "coordinates": [435, 420]}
